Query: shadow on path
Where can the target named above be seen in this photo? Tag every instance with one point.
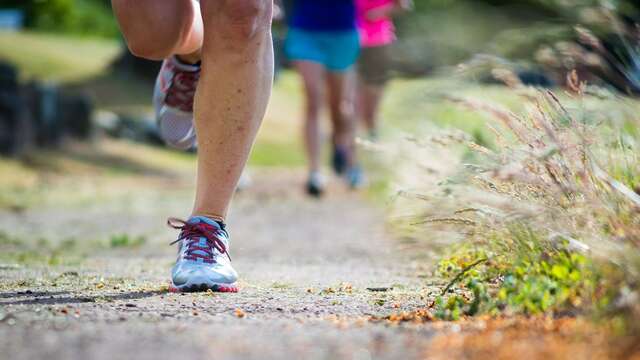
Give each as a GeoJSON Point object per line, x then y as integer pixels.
{"type": "Point", "coordinates": [49, 298]}
{"type": "Point", "coordinates": [30, 293]}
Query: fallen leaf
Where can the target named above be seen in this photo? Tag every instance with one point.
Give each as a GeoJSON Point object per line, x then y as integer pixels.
{"type": "Point", "coordinates": [239, 313]}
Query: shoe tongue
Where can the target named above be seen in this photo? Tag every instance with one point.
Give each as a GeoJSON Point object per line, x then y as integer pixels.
{"type": "Point", "coordinates": [203, 219]}
{"type": "Point", "coordinates": [206, 220]}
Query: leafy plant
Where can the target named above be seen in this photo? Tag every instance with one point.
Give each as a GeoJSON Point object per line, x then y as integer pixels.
{"type": "Point", "coordinates": [534, 281]}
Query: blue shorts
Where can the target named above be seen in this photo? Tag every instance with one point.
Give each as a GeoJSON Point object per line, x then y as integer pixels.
{"type": "Point", "coordinates": [336, 50]}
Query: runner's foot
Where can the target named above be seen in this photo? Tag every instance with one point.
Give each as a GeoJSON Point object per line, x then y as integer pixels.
{"type": "Point", "coordinates": [355, 177]}
{"type": "Point", "coordinates": [173, 102]}
{"type": "Point", "coordinates": [339, 159]}
{"type": "Point", "coordinates": [315, 184]}
{"type": "Point", "coordinates": [245, 181]}
{"type": "Point", "coordinates": [203, 261]}
{"type": "Point", "coordinates": [373, 135]}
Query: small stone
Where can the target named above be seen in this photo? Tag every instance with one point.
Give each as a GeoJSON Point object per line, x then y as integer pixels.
{"type": "Point", "coordinates": [379, 289]}
{"type": "Point", "coordinates": [239, 313]}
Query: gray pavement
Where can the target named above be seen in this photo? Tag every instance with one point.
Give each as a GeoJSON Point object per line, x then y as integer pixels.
{"type": "Point", "coordinates": [305, 269]}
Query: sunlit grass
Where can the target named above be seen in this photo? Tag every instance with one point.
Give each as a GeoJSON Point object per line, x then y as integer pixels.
{"type": "Point", "coordinates": [411, 104]}
{"type": "Point", "coordinates": [85, 173]}
{"type": "Point", "coordinates": [57, 57]}
{"type": "Point", "coordinates": [279, 141]}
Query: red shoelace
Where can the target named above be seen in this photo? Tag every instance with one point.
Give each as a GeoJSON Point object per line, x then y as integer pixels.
{"type": "Point", "coordinates": [191, 235]}
{"type": "Point", "coordinates": [182, 89]}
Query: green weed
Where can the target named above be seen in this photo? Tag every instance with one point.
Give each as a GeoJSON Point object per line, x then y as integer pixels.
{"type": "Point", "coordinates": [125, 240]}
{"type": "Point", "coordinates": [516, 273]}
{"type": "Point", "coordinates": [281, 285]}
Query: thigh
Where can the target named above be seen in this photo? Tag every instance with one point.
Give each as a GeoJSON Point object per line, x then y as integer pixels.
{"type": "Point", "coordinates": [156, 20]}
{"type": "Point", "coordinates": [338, 87]}
{"type": "Point", "coordinates": [373, 65]}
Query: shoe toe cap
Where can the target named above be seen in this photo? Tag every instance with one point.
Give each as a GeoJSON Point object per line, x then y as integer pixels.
{"type": "Point", "coordinates": [203, 275]}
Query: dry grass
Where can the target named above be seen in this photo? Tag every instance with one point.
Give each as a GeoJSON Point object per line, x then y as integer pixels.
{"type": "Point", "coordinates": [567, 175]}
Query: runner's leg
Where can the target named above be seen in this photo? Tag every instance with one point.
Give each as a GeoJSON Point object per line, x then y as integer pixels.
{"type": "Point", "coordinates": [158, 29]}
{"type": "Point", "coordinates": [235, 85]}
{"type": "Point", "coordinates": [312, 74]}
{"type": "Point", "coordinates": [341, 113]}
{"type": "Point", "coordinates": [369, 97]}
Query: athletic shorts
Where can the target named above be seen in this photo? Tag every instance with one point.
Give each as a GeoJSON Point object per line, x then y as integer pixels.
{"type": "Point", "coordinates": [373, 64]}
{"type": "Point", "coordinates": [336, 50]}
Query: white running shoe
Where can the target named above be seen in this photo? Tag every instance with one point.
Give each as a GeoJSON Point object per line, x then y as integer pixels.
{"type": "Point", "coordinates": [173, 102]}
{"type": "Point", "coordinates": [203, 261]}
{"type": "Point", "coordinates": [315, 184]}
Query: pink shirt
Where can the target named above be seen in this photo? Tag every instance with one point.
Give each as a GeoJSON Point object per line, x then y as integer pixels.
{"type": "Point", "coordinates": [374, 32]}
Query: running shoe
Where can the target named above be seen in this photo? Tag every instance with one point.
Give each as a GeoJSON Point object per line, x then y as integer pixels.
{"type": "Point", "coordinates": [173, 96]}
{"type": "Point", "coordinates": [373, 135]}
{"type": "Point", "coordinates": [355, 177]}
{"type": "Point", "coordinates": [339, 159]}
{"type": "Point", "coordinates": [245, 180]}
{"type": "Point", "coordinates": [203, 259]}
{"type": "Point", "coordinates": [315, 185]}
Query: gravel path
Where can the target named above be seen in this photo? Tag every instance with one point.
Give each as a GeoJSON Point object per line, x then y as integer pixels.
{"type": "Point", "coordinates": [307, 269]}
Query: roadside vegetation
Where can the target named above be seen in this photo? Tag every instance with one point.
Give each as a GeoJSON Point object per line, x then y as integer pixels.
{"type": "Point", "coordinates": [542, 219]}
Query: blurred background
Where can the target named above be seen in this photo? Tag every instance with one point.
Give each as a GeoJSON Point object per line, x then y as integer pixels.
{"type": "Point", "coordinates": [66, 72]}
{"type": "Point", "coordinates": [76, 119]}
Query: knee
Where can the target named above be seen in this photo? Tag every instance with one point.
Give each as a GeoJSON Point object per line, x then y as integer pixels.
{"type": "Point", "coordinates": [238, 20]}
{"type": "Point", "coordinates": [347, 110]}
{"type": "Point", "coordinates": [153, 30]}
{"type": "Point", "coordinates": [152, 50]}
{"type": "Point", "coordinates": [157, 44]}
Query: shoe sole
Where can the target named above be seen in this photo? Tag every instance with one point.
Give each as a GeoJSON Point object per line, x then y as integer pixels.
{"type": "Point", "coordinates": [314, 192]}
{"type": "Point", "coordinates": [226, 288]}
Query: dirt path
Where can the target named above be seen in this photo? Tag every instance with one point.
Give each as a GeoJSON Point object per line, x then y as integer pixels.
{"type": "Point", "coordinates": [305, 268]}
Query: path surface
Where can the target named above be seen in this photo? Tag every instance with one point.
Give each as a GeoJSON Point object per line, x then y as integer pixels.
{"type": "Point", "coordinates": [305, 268]}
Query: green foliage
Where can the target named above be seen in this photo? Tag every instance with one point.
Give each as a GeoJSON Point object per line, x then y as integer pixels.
{"type": "Point", "coordinates": [562, 281]}
{"type": "Point", "coordinates": [456, 305]}
{"type": "Point", "coordinates": [272, 153]}
{"type": "Point", "coordinates": [124, 240]}
{"type": "Point", "coordinates": [523, 275]}
{"type": "Point", "coordinates": [92, 17]}
{"type": "Point", "coordinates": [14, 249]}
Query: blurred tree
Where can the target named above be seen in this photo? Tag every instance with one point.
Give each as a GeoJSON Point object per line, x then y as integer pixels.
{"type": "Point", "coordinates": [90, 17]}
